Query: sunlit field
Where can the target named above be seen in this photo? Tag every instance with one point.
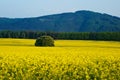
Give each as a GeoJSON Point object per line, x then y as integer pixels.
{"type": "Point", "coordinates": [68, 60]}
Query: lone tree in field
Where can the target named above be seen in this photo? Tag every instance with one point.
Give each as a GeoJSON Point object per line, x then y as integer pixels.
{"type": "Point", "coordinates": [44, 41]}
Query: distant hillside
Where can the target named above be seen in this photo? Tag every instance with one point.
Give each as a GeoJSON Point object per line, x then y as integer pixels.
{"type": "Point", "coordinates": [80, 21]}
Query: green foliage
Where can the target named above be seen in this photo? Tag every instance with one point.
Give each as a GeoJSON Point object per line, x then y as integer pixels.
{"type": "Point", "coordinates": [106, 36]}
{"type": "Point", "coordinates": [44, 41]}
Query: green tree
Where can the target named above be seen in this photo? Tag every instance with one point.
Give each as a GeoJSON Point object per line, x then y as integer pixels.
{"type": "Point", "coordinates": [44, 41]}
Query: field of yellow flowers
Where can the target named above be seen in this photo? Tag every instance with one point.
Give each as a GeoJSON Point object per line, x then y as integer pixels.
{"type": "Point", "coordinates": [68, 60]}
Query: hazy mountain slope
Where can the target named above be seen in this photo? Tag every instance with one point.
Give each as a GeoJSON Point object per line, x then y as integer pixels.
{"type": "Point", "coordinates": [80, 21]}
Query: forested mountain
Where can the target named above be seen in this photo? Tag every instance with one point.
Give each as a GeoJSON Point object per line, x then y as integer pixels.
{"type": "Point", "coordinates": [79, 21]}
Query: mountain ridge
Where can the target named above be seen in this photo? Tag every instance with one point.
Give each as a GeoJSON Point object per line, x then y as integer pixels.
{"type": "Point", "coordinates": [79, 21]}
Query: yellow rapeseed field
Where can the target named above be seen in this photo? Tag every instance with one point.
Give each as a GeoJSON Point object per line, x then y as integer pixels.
{"type": "Point", "coordinates": [68, 60]}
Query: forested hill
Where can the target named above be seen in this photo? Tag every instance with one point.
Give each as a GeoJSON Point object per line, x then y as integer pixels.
{"type": "Point", "coordinates": [80, 21]}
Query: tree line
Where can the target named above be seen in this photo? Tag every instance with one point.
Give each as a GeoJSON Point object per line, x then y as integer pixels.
{"type": "Point", "coordinates": [111, 36]}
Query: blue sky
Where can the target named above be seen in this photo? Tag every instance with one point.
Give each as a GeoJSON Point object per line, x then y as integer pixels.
{"type": "Point", "coordinates": [34, 8]}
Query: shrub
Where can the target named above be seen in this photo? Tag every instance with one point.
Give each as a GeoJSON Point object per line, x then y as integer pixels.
{"type": "Point", "coordinates": [44, 41]}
